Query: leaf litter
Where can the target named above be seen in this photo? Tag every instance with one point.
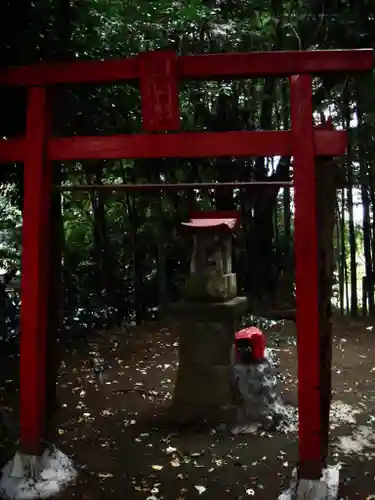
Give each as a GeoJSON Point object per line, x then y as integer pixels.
{"type": "Point", "coordinates": [213, 456]}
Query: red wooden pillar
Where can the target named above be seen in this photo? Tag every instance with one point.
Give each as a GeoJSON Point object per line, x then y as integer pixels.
{"type": "Point", "coordinates": [36, 210]}
{"type": "Point", "coordinates": [306, 266]}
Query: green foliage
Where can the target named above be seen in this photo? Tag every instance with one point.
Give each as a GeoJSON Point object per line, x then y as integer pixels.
{"type": "Point", "coordinates": [123, 255]}
{"type": "Point", "coordinates": [10, 231]}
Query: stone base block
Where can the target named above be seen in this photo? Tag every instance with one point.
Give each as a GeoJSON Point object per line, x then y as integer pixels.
{"type": "Point", "coordinates": [326, 488]}
{"type": "Point", "coordinates": [31, 476]}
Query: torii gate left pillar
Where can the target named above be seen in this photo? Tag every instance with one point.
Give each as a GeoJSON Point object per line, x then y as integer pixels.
{"type": "Point", "coordinates": [35, 265]}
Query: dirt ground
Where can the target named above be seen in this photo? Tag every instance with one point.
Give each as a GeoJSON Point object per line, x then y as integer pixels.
{"type": "Point", "coordinates": [123, 448]}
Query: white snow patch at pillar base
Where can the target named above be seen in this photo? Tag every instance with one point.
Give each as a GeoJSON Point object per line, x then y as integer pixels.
{"type": "Point", "coordinates": [326, 488]}
{"type": "Point", "coordinates": [31, 476]}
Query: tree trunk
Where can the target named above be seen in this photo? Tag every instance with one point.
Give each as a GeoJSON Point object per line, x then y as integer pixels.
{"type": "Point", "coordinates": [53, 348]}
{"type": "Point", "coordinates": [353, 257]}
{"type": "Point", "coordinates": [326, 179]}
{"type": "Point", "coordinates": [136, 272]}
{"type": "Point", "coordinates": [101, 244]}
{"type": "Point", "coordinates": [344, 266]}
{"type": "Point", "coordinates": [364, 178]}
{"type": "Point", "coordinates": [263, 230]}
{"type": "Point", "coordinates": [339, 230]}
{"type": "Point", "coordinates": [352, 238]}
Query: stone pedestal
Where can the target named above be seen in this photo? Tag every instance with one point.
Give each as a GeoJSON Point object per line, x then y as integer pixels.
{"type": "Point", "coordinates": [204, 389]}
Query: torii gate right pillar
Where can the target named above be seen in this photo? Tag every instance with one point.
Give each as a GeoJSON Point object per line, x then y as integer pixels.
{"type": "Point", "coordinates": [313, 374]}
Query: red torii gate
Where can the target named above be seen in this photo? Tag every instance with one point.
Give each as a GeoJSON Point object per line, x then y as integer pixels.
{"type": "Point", "coordinates": [158, 74]}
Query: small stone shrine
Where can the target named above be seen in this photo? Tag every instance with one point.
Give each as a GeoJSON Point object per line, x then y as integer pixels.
{"type": "Point", "coordinates": [211, 278]}
{"type": "Point", "coordinates": [209, 316]}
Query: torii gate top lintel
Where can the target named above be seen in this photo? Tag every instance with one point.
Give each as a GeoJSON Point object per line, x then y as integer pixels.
{"type": "Point", "coordinates": [194, 67]}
